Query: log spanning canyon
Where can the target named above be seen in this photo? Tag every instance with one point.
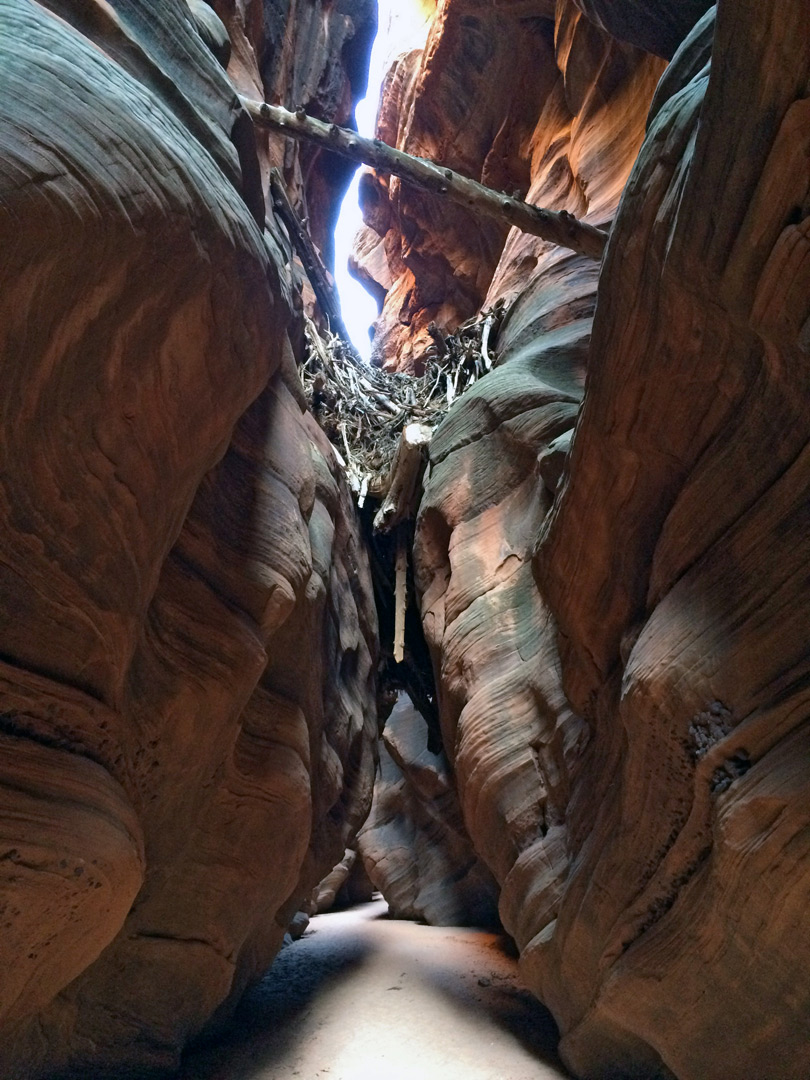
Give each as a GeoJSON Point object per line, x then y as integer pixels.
{"type": "Point", "coordinates": [558, 227]}
{"type": "Point", "coordinates": [565, 696]}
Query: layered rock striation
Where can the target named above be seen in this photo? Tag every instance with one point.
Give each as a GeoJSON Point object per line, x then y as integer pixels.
{"type": "Point", "coordinates": [187, 701]}
{"type": "Point", "coordinates": [302, 54]}
{"type": "Point", "coordinates": [658, 26]}
{"type": "Point", "coordinates": [508, 733]}
{"type": "Point", "coordinates": [610, 543]}
{"type": "Point", "coordinates": [414, 844]}
{"type": "Point", "coordinates": [682, 630]}
{"type": "Point", "coordinates": [610, 552]}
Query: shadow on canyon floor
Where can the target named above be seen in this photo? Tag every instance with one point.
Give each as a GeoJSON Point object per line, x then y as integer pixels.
{"type": "Point", "coordinates": [363, 997]}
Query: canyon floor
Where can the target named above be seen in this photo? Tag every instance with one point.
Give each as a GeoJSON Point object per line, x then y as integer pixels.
{"type": "Point", "coordinates": [365, 997]}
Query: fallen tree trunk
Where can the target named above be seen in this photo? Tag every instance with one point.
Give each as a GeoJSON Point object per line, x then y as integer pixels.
{"type": "Point", "coordinates": [406, 472]}
{"type": "Point", "coordinates": [558, 227]}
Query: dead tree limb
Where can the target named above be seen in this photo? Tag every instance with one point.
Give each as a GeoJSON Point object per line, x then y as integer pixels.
{"type": "Point", "coordinates": [308, 254]}
{"type": "Point", "coordinates": [400, 597]}
{"type": "Point", "coordinates": [406, 471]}
{"type": "Point", "coordinates": [558, 227]}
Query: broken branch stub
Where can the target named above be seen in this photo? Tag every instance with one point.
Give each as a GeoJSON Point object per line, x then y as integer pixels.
{"type": "Point", "coordinates": [558, 227]}
{"type": "Point", "coordinates": [406, 472]}
{"type": "Point", "coordinates": [400, 597]}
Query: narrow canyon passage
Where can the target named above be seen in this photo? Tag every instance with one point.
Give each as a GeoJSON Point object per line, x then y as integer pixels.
{"type": "Point", "coordinates": [365, 997]}
{"type": "Point", "coordinates": [505, 619]}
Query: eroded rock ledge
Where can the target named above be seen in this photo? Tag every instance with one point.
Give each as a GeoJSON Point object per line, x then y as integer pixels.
{"type": "Point", "coordinates": [414, 844]}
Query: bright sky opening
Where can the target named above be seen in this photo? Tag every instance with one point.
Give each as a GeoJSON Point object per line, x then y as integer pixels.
{"type": "Point", "coordinates": [402, 26]}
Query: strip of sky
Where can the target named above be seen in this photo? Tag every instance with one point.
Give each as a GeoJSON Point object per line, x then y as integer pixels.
{"type": "Point", "coordinates": [402, 26]}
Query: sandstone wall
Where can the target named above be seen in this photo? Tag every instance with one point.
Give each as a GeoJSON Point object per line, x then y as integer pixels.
{"type": "Point", "coordinates": [610, 544]}
{"type": "Point", "coordinates": [414, 843]}
{"type": "Point", "coordinates": [187, 721]}
{"type": "Point", "coordinates": [505, 94]}
{"type": "Point", "coordinates": [673, 563]}
{"type": "Point", "coordinates": [310, 54]}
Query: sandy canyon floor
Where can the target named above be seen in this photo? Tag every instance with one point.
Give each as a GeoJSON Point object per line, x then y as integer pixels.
{"type": "Point", "coordinates": [364, 997]}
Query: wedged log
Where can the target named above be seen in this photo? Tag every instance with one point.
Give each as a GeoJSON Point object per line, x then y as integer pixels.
{"type": "Point", "coordinates": [558, 227]}
{"type": "Point", "coordinates": [401, 499]}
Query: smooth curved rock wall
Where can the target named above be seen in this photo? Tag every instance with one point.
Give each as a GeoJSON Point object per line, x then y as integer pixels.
{"type": "Point", "coordinates": [509, 734]}
{"type": "Point", "coordinates": [624, 709]}
{"type": "Point", "coordinates": [414, 844]}
{"type": "Point", "coordinates": [188, 639]}
{"type": "Point", "coordinates": [659, 26]}
{"type": "Point", "coordinates": [672, 562]}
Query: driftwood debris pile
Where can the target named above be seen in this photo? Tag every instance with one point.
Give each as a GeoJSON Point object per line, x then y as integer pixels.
{"type": "Point", "coordinates": [380, 425]}
{"type": "Point", "coordinates": [375, 418]}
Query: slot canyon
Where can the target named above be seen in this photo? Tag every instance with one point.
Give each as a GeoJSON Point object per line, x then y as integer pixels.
{"type": "Point", "coordinates": [549, 694]}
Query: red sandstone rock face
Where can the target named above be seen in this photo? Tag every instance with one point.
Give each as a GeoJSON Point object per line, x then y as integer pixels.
{"type": "Point", "coordinates": [659, 26]}
{"type": "Point", "coordinates": [507, 729]}
{"type": "Point", "coordinates": [495, 98]}
{"type": "Point", "coordinates": [641, 792]}
{"type": "Point", "coordinates": [187, 716]}
{"type": "Point", "coordinates": [487, 496]}
{"type": "Point", "coordinates": [414, 844]}
{"type": "Point", "coordinates": [683, 629]}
